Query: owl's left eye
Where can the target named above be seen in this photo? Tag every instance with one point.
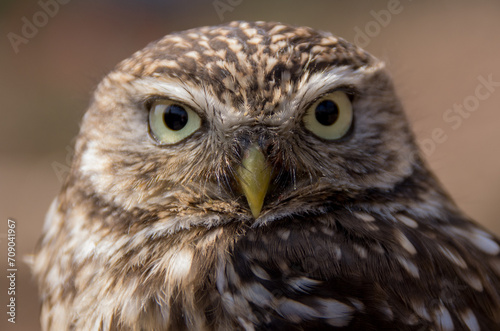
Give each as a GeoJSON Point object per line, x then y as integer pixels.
{"type": "Point", "coordinates": [171, 122]}
{"type": "Point", "coordinates": [330, 117]}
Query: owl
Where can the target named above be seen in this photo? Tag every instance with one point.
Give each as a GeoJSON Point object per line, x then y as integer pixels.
{"type": "Point", "coordinates": [258, 176]}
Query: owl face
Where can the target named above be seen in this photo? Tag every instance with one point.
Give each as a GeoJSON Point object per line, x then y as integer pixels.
{"type": "Point", "coordinates": [247, 121]}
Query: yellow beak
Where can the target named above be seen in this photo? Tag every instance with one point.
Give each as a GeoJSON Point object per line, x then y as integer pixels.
{"type": "Point", "coordinates": [254, 176]}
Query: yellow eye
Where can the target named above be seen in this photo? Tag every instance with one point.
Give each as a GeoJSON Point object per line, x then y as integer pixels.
{"type": "Point", "coordinates": [330, 117]}
{"type": "Point", "coordinates": [171, 122]}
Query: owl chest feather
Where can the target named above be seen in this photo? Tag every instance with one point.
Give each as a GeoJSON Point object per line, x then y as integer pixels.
{"type": "Point", "coordinates": [340, 268]}
{"type": "Point", "coordinates": [324, 272]}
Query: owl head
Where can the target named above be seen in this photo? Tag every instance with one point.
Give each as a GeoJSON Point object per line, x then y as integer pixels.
{"type": "Point", "coordinates": [247, 121]}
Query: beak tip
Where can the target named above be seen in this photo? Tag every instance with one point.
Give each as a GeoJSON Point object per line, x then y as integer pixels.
{"type": "Point", "coordinates": [255, 211]}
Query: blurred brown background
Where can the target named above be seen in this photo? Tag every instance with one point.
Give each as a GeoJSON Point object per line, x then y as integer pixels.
{"type": "Point", "coordinates": [436, 50]}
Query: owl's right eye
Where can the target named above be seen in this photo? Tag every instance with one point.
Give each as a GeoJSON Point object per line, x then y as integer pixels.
{"type": "Point", "coordinates": [330, 117]}
{"type": "Point", "coordinates": [171, 122]}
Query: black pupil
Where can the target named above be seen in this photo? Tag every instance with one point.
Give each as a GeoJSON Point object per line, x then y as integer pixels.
{"type": "Point", "coordinates": [327, 112]}
{"type": "Point", "coordinates": [175, 117]}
